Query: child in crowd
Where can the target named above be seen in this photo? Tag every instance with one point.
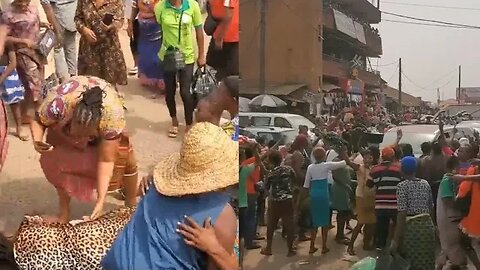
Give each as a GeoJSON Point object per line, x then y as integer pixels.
{"type": "Point", "coordinates": [11, 88]}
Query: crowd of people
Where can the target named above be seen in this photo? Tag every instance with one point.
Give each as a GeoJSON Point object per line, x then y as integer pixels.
{"type": "Point", "coordinates": [402, 204]}
{"type": "Point", "coordinates": [79, 128]}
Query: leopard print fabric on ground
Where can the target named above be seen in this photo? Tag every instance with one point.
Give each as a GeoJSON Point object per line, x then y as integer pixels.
{"type": "Point", "coordinates": [66, 246]}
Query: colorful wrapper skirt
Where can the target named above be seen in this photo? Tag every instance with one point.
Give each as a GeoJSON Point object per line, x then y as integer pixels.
{"type": "Point", "coordinates": [418, 244]}
{"type": "Point", "coordinates": [12, 89]}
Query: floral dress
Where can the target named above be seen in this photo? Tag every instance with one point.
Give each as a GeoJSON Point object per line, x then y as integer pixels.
{"type": "Point", "coordinates": [72, 164]}
{"type": "Point", "coordinates": [104, 58]}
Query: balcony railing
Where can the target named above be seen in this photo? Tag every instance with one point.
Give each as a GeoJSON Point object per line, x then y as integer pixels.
{"type": "Point", "coordinates": [365, 9]}
{"type": "Point", "coordinates": [339, 68]}
{"type": "Point", "coordinates": [372, 45]}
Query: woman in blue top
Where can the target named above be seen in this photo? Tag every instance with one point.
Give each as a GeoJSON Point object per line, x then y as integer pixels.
{"type": "Point", "coordinates": [185, 184]}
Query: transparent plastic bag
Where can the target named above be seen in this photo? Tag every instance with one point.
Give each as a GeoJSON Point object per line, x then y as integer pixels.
{"type": "Point", "coordinates": [367, 263]}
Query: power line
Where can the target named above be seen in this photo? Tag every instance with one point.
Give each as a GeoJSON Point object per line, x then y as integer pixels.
{"type": "Point", "coordinates": [393, 74]}
{"type": "Point", "coordinates": [429, 20]}
{"type": "Point", "coordinates": [431, 6]}
{"type": "Point", "coordinates": [428, 24]}
{"type": "Point", "coordinates": [386, 65]}
{"type": "Point", "coordinates": [426, 88]}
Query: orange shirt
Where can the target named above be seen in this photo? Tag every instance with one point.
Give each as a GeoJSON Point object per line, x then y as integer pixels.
{"type": "Point", "coordinates": [217, 8]}
{"type": "Point", "coordinates": [254, 177]}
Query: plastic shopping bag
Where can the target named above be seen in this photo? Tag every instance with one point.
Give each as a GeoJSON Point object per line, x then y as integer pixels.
{"type": "Point", "coordinates": [203, 83]}
{"type": "Point", "coordinates": [367, 263]}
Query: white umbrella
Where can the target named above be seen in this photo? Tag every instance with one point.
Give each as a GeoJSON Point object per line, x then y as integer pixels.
{"type": "Point", "coordinates": [267, 101]}
{"type": "Point", "coordinates": [243, 104]}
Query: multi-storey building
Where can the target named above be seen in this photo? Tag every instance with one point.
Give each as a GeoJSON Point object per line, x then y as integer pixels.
{"type": "Point", "coordinates": [312, 46]}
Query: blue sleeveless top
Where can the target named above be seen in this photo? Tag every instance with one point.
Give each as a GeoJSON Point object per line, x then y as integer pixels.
{"type": "Point", "coordinates": [150, 240]}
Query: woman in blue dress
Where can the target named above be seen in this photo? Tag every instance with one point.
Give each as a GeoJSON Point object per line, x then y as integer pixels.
{"type": "Point", "coordinates": [149, 42]}
{"type": "Point", "coordinates": [187, 188]}
{"type": "Point", "coordinates": [317, 184]}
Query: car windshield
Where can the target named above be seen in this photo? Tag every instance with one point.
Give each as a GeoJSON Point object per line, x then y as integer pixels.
{"type": "Point", "coordinates": [415, 139]}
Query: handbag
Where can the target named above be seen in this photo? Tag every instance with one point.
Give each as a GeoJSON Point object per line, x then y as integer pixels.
{"type": "Point", "coordinates": [211, 23]}
{"type": "Point", "coordinates": [174, 60]}
{"type": "Point", "coordinates": [46, 42]}
{"type": "Point", "coordinates": [203, 83]}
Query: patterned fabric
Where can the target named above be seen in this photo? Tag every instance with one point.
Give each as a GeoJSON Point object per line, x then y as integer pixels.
{"type": "Point", "coordinates": [23, 25]}
{"type": "Point", "coordinates": [418, 245]}
{"type": "Point", "coordinates": [30, 65]}
{"type": "Point", "coordinates": [60, 103]}
{"type": "Point", "coordinates": [385, 177]}
{"type": "Point", "coordinates": [104, 58]}
{"type": "Point", "coordinates": [280, 183]}
{"type": "Point", "coordinates": [414, 197]}
{"type": "Point", "coordinates": [11, 88]}
{"type": "Point", "coordinates": [149, 67]}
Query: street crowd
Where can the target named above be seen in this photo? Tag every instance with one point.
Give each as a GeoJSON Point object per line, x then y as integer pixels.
{"type": "Point", "coordinates": [173, 218]}
{"type": "Point", "coordinates": [403, 205]}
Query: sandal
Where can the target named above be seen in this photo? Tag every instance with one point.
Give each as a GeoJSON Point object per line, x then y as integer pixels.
{"type": "Point", "coordinates": [312, 250]}
{"type": "Point", "coordinates": [325, 250]}
{"type": "Point", "coordinates": [266, 252]}
{"type": "Point", "coordinates": [343, 241]}
{"type": "Point", "coordinates": [351, 252]}
{"type": "Point", "coordinates": [173, 132]}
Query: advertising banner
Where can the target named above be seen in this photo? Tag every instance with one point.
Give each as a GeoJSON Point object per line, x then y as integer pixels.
{"type": "Point", "coordinates": [344, 24]}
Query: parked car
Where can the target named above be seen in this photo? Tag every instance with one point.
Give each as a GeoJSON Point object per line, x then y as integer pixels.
{"type": "Point", "coordinates": [418, 134]}
{"type": "Point", "coordinates": [270, 133]}
{"type": "Point", "coordinates": [280, 120]}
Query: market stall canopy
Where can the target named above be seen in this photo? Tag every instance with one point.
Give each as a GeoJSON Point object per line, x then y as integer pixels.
{"type": "Point", "coordinates": [243, 104]}
{"type": "Point", "coordinates": [267, 101]}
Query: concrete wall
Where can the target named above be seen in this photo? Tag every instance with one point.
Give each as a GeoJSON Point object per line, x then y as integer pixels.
{"type": "Point", "coordinates": [293, 53]}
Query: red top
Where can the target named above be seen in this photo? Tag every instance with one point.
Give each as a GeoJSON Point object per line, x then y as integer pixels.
{"type": "Point", "coordinates": [254, 177]}
{"type": "Point", "coordinates": [218, 8]}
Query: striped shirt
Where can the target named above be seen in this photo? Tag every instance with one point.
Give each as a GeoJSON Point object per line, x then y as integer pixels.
{"type": "Point", "coordinates": [385, 177]}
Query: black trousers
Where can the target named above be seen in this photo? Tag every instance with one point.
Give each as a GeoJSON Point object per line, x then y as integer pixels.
{"type": "Point", "coordinates": [134, 38]}
{"type": "Point", "coordinates": [185, 80]}
{"type": "Point", "coordinates": [383, 226]}
{"type": "Point", "coordinates": [224, 61]}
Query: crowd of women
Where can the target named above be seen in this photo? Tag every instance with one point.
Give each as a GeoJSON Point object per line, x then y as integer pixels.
{"type": "Point", "coordinates": [399, 201]}
{"type": "Point", "coordinates": [80, 131]}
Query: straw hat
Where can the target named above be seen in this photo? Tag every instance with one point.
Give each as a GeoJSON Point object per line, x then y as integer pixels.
{"type": "Point", "coordinates": [208, 161]}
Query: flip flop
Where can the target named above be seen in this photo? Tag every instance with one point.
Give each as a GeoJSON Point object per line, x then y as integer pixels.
{"type": "Point", "coordinates": [173, 132]}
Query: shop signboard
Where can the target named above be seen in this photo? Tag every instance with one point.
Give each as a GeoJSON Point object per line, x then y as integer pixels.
{"type": "Point", "coordinates": [468, 95]}
{"type": "Point", "coordinates": [344, 24]}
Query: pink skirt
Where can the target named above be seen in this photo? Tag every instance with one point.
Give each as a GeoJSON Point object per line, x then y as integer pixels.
{"type": "Point", "coordinates": [71, 169]}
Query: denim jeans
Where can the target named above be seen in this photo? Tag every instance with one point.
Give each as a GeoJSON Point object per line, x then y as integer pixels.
{"type": "Point", "coordinates": [384, 217]}
{"type": "Point", "coordinates": [66, 56]}
{"type": "Point", "coordinates": [251, 220]}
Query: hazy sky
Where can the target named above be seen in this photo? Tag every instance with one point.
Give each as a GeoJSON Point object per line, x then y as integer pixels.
{"type": "Point", "coordinates": [431, 55]}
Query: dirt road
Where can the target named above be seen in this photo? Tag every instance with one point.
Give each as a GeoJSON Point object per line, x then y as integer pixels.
{"type": "Point", "coordinates": [23, 187]}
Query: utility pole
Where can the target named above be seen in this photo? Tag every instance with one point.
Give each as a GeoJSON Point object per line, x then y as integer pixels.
{"type": "Point", "coordinates": [263, 30]}
{"type": "Point", "coordinates": [400, 108]}
{"type": "Point", "coordinates": [438, 96]}
{"type": "Point", "coordinates": [459, 83]}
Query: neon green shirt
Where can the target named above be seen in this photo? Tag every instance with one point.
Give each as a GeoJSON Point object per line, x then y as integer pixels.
{"type": "Point", "coordinates": [169, 19]}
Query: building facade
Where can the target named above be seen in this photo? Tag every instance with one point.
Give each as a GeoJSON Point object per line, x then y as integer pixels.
{"type": "Point", "coordinates": [313, 47]}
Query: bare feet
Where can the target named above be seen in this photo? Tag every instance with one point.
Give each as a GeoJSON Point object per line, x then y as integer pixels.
{"type": "Point", "coordinates": [312, 250]}
{"type": "Point", "coordinates": [20, 133]}
{"type": "Point", "coordinates": [325, 250]}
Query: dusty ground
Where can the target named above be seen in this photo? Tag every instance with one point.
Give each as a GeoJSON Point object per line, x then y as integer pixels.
{"type": "Point", "coordinates": [23, 188]}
